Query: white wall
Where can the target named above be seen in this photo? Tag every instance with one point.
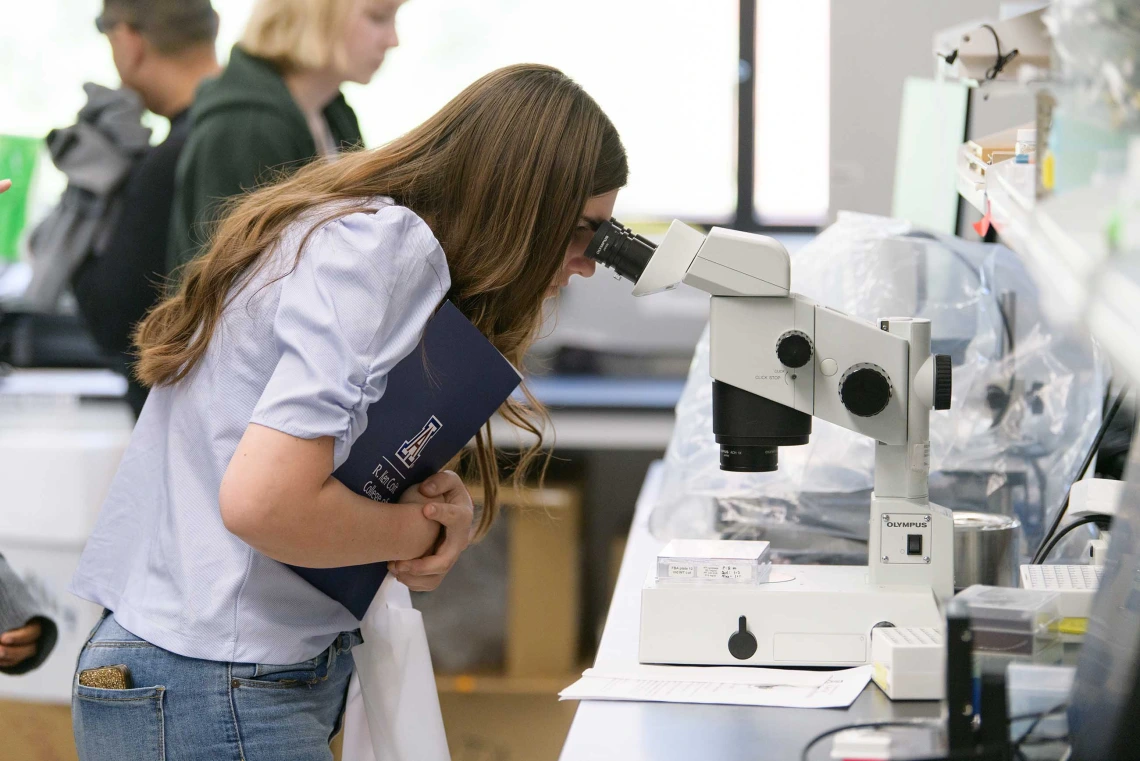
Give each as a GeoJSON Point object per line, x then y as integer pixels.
{"type": "Point", "coordinates": [875, 46]}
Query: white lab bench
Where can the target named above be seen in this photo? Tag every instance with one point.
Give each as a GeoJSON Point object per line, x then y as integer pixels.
{"type": "Point", "coordinates": [683, 732]}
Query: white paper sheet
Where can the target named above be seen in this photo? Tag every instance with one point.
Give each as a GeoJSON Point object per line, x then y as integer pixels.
{"type": "Point", "coordinates": [723, 686]}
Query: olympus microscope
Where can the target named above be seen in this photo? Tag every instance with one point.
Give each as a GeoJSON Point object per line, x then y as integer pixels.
{"type": "Point", "coordinates": [777, 360]}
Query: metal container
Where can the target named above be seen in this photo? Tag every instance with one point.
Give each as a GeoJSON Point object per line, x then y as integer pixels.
{"type": "Point", "coordinates": [986, 549]}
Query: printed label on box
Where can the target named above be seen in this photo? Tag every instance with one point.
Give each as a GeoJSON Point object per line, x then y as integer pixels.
{"type": "Point", "coordinates": [726, 572]}
{"type": "Point", "coordinates": [681, 571]}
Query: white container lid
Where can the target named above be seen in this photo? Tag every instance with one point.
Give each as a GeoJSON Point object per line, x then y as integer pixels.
{"type": "Point", "coordinates": [713, 549]}
{"type": "Point", "coordinates": [1036, 677]}
{"type": "Point", "coordinates": [1009, 608]}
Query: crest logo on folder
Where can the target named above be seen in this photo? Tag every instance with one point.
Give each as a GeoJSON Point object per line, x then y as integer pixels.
{"type": "Point", "coordinates": [411, 449]}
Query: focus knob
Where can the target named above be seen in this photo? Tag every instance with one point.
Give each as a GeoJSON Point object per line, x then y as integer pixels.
{"type": "Point", "coordinates": [742, 644]}
{"type": "Point", "coordinates": [865, 390]}
{"type": "Point", "coordinates": [794, 349]}
{"type": "Point", "coordinates": [943, 382]}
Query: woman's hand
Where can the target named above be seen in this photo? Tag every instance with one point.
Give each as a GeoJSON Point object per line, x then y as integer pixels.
{"type": "Point", "coordinates": [4, 185]}
{"type": "Point", "coordinates": [446, 501]}
{"type": "Point", "coordinates": [18, 645]}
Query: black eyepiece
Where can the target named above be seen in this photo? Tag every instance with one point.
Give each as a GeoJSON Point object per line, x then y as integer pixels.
{"type": "Point", "coordinates": [619, 249]}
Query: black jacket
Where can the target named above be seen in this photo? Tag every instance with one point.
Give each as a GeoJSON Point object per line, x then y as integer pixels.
{"type": "Point", "coordinates": [116, 288]}
{"type": "Point", "coordinates": [245, 125]}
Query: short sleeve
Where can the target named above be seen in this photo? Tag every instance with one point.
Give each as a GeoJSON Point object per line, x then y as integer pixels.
{"type": "Point", "coordinates": [354, 306]}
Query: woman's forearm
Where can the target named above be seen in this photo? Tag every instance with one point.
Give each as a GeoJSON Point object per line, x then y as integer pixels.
{"type": "Point", "coordinates": [278, 497]}
{"type": "Point", "coordinates": [343, 528]}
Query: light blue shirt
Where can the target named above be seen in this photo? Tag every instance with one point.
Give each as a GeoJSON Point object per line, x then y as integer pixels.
{"type": "Point", "coordinates": [302, 350]}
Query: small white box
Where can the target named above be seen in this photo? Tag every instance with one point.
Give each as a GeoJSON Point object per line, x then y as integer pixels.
{"type": "Point", "coordinates": [883, 744]}
{"type": "Point", "coordinates": [713, 561]}
{"type": "Point", "coordinates": [1033, 688]}
{"type": "Point", "coordinates": [1074, 585]}
{"type": "Point", "coordinates": [909, 663]}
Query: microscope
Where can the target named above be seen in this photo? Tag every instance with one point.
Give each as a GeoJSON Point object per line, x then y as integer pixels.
{"type": "Point", "coordinates": [777, 360]}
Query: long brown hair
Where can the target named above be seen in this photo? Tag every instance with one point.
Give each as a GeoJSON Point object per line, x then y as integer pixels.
{"type": "Point", "coordinates": [500, 174]}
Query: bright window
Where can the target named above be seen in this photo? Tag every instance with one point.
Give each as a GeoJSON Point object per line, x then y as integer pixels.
{"type": "Point", "coordinates": [666, 71]}
{"type": "Point", "coordinates": [792, 92]}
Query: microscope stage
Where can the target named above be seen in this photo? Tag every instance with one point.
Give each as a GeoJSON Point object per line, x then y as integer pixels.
{"type": "Point", "coordinates": [803, 616]}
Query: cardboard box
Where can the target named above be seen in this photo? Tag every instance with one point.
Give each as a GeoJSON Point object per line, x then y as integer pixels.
{"type": "Point", "coordinates": [512, 604]}
{"type": "Point", "coordinates": [544, 582]}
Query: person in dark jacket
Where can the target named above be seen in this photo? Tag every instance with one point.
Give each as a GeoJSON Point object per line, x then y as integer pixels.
{"type": "Point", "coordinates": [278, 104]}
{"type": "Point", "coordinates": [163, 50]}
{"type": "Point", "coordinates": [27, 635]}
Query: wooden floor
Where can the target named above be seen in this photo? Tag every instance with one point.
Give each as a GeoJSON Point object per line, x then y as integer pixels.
{"type": "Point", "coordinates": [33, 732]}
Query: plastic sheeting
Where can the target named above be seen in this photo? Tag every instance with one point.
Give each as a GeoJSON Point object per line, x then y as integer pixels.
{"type": "Point", "coordinates": [1097, 44]}
{"type": "Point", "coordinates": [1021, 421]}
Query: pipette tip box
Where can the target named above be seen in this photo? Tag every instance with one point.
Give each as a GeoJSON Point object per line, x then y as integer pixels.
{"type": "Point", "coordinates": [909, 662]}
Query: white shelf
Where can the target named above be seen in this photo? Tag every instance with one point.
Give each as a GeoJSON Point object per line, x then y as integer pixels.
{"type": "Point", "coordinates": [606, 430]}
{"type": "Point", "coordinates": [971, 185]}
{"type": "Point", "coordinates": [973, 47]}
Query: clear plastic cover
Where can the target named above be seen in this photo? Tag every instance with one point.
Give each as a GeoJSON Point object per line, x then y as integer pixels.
{"type": "Point", "coordinates": [1022, 417]}
{"type": "Point", "coordinates": [696, 561]}
{"type": "Point", "coordinates": [1010, 625]}
{"type": "Point", "coordinates": [1097, 44]}
{"type": "Point", "coordinates": [1010, 608]}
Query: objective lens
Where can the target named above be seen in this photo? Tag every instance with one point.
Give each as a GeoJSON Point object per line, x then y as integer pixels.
{"type": "Point", "coordinates": [619, 249]}
{"type": "Point", "coordinates": [750, 429]}
{"type": "Point", "coordinates": [749, 459]}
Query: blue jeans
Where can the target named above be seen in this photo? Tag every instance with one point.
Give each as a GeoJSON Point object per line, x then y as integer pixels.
{"type": "Point", "coordinates": [184, 709]}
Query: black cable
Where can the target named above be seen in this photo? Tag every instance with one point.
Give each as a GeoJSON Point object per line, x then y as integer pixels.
{"type": "Point", "coordinates": [1104, 423]}
{"type": "Point", "coordinates": [1034, 742]}
{"type": "Point", "coordinates": [923, 235]}
{"type": "Point", "coordinates": [1006, 327]}
{"type": "Point", "coordinates": [1007, 395]}
{"type": "Point", "coordinates": [1037, 721]}
{"type": "Point", "coordinates": [1102, 521]}
{"type": "Point", "coordinates": [1001, 60]}
{"type": "Point", "coordinates": [930, 724]}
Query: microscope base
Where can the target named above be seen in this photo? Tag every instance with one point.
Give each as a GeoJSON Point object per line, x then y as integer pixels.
{"type": "Point", "coordinates": [804, 616]}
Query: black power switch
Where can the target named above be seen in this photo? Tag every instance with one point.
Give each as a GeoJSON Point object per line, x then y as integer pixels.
{"type": "Point", "coordinates": [914, 544]}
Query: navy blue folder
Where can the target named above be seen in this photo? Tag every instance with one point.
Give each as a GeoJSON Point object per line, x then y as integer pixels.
{"type": "Point", "coordinates": [436, 400]}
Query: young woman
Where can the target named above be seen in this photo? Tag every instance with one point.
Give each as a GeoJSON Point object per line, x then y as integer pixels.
{"type": "Point", "coordinates": [278, 104]}
{"type": "Point", "coordinates": [263, 366]}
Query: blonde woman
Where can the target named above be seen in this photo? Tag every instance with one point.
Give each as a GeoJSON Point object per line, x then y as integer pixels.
{"type": "Point", "coordinates": [262, 368]}
{"type": "Point", "coordinates": [278, 104]}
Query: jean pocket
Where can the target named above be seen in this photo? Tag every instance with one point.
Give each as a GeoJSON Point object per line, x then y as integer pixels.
{"type": "Point", "coordinates": [273, 676]}
{"type": "Point", "coordinates": [119, 724]}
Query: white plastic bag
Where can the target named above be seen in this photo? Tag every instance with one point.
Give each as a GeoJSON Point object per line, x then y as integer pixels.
{"type": "Point", "coordinates": [393, 707]}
